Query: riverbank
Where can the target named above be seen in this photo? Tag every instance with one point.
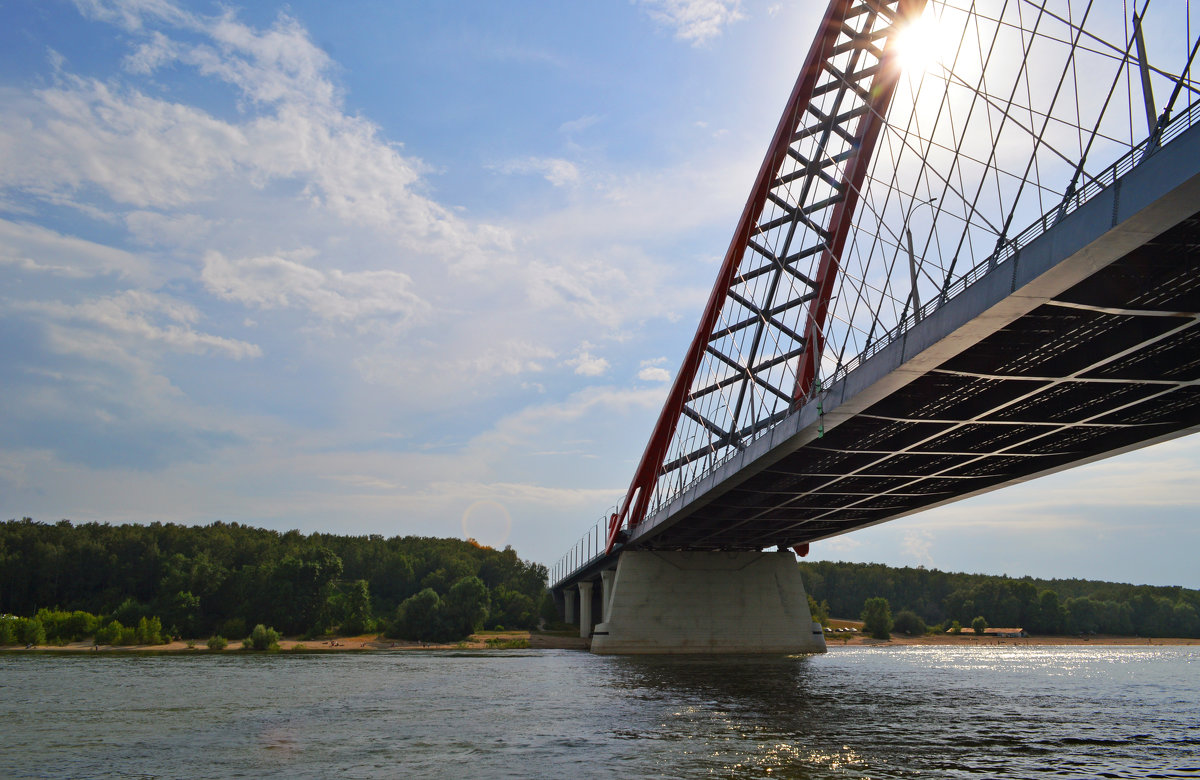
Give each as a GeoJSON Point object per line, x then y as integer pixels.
{"type": "Point", "coordinates": [519, 640]}
{"type": "Point", "coordinates": [485, 640]}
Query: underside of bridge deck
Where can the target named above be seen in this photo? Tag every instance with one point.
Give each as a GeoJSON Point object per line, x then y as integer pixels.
{"type": "Point", "coordinates": [1111, 362]}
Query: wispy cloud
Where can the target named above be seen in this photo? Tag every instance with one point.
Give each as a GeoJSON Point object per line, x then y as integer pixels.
{"type": "Point", "coordinates": [696, 21]}
{"type": "Point", "coordinates": [557, 171]}
{"type": "Point", "coordinates": [282, 282]}
{"type": "Point", "coordinates": [587, 364]}
{"type": "Point", "coordinates": [654, 371]}
{"type": "Point", "coordinates": [140, 317]}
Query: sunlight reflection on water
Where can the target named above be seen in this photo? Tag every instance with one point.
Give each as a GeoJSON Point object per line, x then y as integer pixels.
{"type": "Point", "coordinates": [854, 713]}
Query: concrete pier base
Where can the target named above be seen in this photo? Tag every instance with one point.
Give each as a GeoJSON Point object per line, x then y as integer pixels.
{"type": "Point", "coordinates": [707, 602]}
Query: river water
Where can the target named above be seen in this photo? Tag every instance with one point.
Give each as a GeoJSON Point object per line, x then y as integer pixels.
{"type": "Point", "coordinates": [1005, 711]}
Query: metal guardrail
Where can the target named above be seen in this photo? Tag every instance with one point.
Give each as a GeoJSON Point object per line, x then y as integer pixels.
{"type": "Point", "coordinates": [588, 549]}
{"type": "Point", "coordinates": [591, 545]}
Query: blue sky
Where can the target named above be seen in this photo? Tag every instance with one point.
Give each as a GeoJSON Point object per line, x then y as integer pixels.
{"type": "Point", "coordinates": [417, 268]}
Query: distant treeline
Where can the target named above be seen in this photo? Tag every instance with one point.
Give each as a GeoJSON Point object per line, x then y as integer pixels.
{"type": "Point", "coordinates": [1039, 606]}
{"type": "Point", "coordinates": [224, 578]}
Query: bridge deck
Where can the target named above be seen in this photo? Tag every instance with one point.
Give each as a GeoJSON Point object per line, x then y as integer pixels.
{"type": "Point", "coordinates": [1083, 345]}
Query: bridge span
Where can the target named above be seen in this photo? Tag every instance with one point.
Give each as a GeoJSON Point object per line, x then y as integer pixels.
{"type": "Point", "coordinates": [1075, 340]}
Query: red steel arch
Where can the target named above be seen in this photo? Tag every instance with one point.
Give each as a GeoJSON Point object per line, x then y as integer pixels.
{"type": "Point", "coordinates": [812, 174]}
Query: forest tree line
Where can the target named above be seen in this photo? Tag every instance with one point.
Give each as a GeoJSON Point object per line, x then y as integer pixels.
{"type": "Point", "coordinates": [224, 578]}
{"type": "Point", "coordinates": [941, 599]}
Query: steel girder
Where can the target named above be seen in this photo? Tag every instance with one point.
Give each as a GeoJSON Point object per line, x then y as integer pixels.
{"type": "Point", "coordinates": [757, 350]}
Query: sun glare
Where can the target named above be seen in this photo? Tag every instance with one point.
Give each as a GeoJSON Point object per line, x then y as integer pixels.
{"type": "Point", "coordinates": [919, 45]}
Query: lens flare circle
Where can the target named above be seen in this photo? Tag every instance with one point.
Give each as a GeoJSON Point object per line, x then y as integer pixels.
{"type": "Point", "coordinates": [487, 522]}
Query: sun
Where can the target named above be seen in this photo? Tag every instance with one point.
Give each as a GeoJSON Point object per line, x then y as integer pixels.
{"type": "Point", "coordinates": [920, 45]}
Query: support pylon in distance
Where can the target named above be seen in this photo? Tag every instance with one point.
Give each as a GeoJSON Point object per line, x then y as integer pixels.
{"type": "Point", "coordinates": [757, 365]}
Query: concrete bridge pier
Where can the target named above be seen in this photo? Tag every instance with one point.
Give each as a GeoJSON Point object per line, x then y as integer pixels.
{"type": "Point", "coordinates": [606, 585]}
{"type": "Point", "coordinates": [569, 596]}
{"type": "Point", "coordinates": [705, 602]}
{"type": "Point", "coordinates": [585, 609]}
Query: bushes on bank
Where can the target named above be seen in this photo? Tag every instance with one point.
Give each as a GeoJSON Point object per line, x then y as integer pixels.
{"type": "Point", "coordinates": [909, 622]}
{"type": "Point", "coordinates": [262, 638]}
{"type": "Point", "coordinates": [55, 627]}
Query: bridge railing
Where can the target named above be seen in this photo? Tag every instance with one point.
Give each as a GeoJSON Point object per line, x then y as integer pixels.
{"type": "Point", "coordinates": [589, 548]}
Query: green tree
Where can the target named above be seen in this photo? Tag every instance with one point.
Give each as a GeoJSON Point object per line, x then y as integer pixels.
{"type": "Point", "coordinates": [548, 611]}
{"type": "Point", "coordinates": [217, 642]}
{"type": "Point", "coordinates": [419, 617]}
{"type": "Point", "coordinates": [1050, 614]}
{"type": "Point", "coordinates": [979, 625]}
{"type": "Point", "coordinates": [466, 607]}
{"type": "Point", "coordinates": [357, 617]}
{"type": "Point", "coordinates": [877, 618]}
{"type": "Point", "coordinates": [149, 631]}
{"type": "Point", "coordinates": [819, 612]}
{"type": "Point", "coordinates": [129, 612]}
{"type": "Point", "coordinates": [909, 622]}
{"type": "Point", "coordinates": [31, 631]}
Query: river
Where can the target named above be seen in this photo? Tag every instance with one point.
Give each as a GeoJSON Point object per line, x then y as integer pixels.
{"type": "Point", "coordinates": [857, 712]}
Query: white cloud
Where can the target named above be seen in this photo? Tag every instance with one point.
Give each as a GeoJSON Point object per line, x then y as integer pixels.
{"type": "Point", "coordinates": [140, 317]}
{"type": "Point", "coordinates": [697, 21]}
{"type": "Point", "coordinates": [138, 150]}
{"type": "Point", "coordinates": [557, 171]}
{"type": "Point", "coordinates": [917, 543]}
{"type": "Point", "coordinates": [511, 358]}
{"type": "Point", "coordinates": [525, 428]}
{"type": "Point", "coordinates": [586, 364]}
{"type": "Point", "coordinates": [151, 228]}
{"type": "Point", "coordinates": [654, 374]}
{"type": "Point", "coordinates": [279, 282]}
{"type": "Point", "coordinates": [154, 154]}
{"type": "Point", "coordinates": [38, 249]}
{"type": "Point", "coordinates": [652, 370]}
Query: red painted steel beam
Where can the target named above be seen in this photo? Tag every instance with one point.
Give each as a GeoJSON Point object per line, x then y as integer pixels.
{"type": "Point", "coordinates": [637, 498]}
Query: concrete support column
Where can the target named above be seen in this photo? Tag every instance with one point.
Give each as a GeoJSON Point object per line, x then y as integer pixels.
{"type": "Point", "coordinates": [569, 604]}
{"type": "Point", "coordinates": [706, 602]}
{"type": "Point", "coordinates": [585, 609]}
{"type": "Point", "coordinates": [606, 585]}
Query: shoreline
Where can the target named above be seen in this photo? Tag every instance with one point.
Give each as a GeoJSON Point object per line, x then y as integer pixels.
{"type": "Point", "coordinates": [336, 644]}
{"type": "Point", "coordinates": [526, 640]}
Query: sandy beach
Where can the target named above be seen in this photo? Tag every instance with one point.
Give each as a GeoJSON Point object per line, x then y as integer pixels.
{"type": "Point", "coordinates": [488, 640]}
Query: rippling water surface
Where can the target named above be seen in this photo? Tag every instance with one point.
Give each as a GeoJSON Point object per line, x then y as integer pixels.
{"type": "Point", "coordinates": [856, 712]}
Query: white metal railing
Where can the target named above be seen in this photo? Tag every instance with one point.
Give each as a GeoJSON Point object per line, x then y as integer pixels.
{"type": "Point", "coordinates": [589, 548]}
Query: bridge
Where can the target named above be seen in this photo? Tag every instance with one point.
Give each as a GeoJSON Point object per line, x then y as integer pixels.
{"type": "Point", "coordinates": [878, 343]}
